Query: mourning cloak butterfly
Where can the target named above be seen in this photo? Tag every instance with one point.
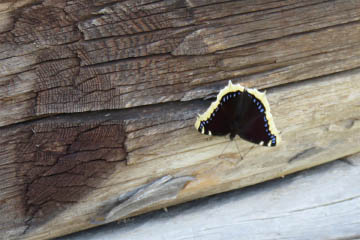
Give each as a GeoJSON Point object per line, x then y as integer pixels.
{"type": "Point", "coordinates": [240, 111]}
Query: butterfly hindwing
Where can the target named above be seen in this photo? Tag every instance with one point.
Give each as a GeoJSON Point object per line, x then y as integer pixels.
{"type": "Point", "coordinates": [255, 125]}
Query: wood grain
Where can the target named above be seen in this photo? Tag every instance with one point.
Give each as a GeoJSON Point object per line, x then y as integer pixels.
{"type": "Point", "coordinates": [64, 56]}
{"type": "Point", "coordinates": [314, 132]}
{"type": "Point", "coordinates": [98, 101]}
{"type": "Point", "coordinates": [317, 203]}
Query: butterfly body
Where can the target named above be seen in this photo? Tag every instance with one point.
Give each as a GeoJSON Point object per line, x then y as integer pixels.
{"type": "Point", "coordinates": [240, 111]}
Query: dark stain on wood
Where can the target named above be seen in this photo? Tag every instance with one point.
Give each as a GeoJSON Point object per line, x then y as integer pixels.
{"type": "Point", "coordinates": [61, 159]}
{"type": "Point", "coordinates": [59, 164]}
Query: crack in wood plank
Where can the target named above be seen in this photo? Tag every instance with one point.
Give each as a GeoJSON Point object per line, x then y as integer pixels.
{"type": "Point", "coordinates": [162, 189]}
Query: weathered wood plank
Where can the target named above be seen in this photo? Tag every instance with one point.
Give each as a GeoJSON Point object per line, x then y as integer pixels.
{"type": "Point", "coordinates": [321, 203]}
{"type": "Point", "coordinates": [66, 56]}
{"type": "Point", "coordinates": [46, 160]}
{"type": "Point", "coordinates": [63, 174]}
{"type": "Point", "coordinates": [50, 165]}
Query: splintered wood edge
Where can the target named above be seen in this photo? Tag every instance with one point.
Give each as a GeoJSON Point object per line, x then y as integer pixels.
{"type": "Point", "coordinates": [237, 87]}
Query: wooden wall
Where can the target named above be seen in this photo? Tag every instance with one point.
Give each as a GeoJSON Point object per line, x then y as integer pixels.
{"type": "Point", "coordinates": [98, 101]}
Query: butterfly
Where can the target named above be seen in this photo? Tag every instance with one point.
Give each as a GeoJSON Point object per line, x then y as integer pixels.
{"type": "Point", "coordinates": [240, 111]}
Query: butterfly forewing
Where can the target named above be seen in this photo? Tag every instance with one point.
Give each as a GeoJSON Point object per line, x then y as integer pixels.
{"type": "Point", "coordinates": [220, 120]}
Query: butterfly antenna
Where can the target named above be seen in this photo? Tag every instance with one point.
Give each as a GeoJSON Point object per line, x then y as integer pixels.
{"type": "Point", "coordinates": [251, 148]}
{"type": "Point", "coordinates": [226, 145]}
{"type": "Point", "coordinates": [243, 156]}
{"type": "Point", "coordinates": [237, 147]}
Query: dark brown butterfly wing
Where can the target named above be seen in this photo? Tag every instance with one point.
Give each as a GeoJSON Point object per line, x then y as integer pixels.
{"type": "Point", "coordinates": [253, 123]}
{"type": "Point", "coordinates": [243, 112]}
{"type": "Point", "coordinates": [219, 123]}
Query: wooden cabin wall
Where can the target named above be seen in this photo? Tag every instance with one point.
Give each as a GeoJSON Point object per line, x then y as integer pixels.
{"type": "Point", "coordinates": [98, 101]}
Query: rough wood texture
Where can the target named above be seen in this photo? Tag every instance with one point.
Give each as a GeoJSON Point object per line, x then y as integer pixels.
{"type": "Point", "coordinates": [147, 65]}
{"type": "Point", "coordinates": [63, 171]}
{"type": "Point", "coordinates": [76, 56]}
{"type": "Point", "coordinates": [320, 203]}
